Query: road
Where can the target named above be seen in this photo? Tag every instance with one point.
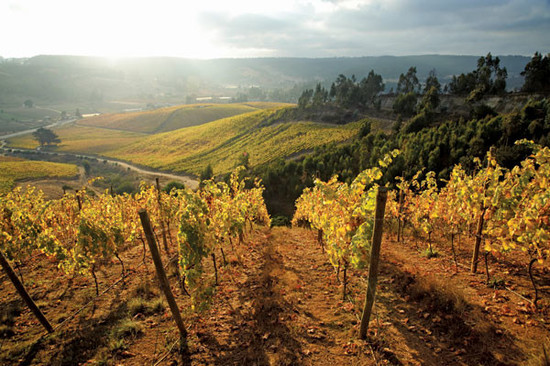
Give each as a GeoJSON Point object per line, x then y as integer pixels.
{"type": "Point", "coordinates": [189, 181]}
{"type": "Point", "coordinates": [21, 133]}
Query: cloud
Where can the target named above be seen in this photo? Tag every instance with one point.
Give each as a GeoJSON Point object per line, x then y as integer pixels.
{"type": "Point", "coordinates": [398, 27]}
{"type": "Point", "coordinates": [251, 28]}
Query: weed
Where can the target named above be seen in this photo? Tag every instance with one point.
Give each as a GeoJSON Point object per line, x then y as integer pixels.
{"type": "Point", "coordinates": [117, 345]}
{"type": "Point", "coordinates": [496, 283]}
{"type": "Point", "coordinates": [126, 328]}
{"type": "Point", "coordinates": [430, 253]}
{"type": "Point", "coordinates": [157, 305]}
{"type": "Point", "coordinates": [145, 290]}
{"type": "Point", "coordinates": [137, 305]}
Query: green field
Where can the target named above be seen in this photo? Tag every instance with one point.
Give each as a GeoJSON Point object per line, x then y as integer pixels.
{"type": "Point", "coordinates": [14, 169]}
{"type": "Point", "coordinates": [221, 142]}
{"type": "Point", "coordinates": [171, 118]}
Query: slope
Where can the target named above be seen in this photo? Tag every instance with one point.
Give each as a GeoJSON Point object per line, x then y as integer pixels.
{"type": "Point", "coordinates": [81, 139]}
{"type": "Point", "coordinates": [14, 169]}
{"type": "Point", "coordinates": [168, 118]}
{"type": "Point", "coordinates": [220, 143]}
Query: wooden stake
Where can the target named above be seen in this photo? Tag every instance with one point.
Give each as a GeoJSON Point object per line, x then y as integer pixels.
{"type": "Point", "coordinates": [24, 294]}
{"type": "Point", "coordinates": [165, 286]}
{"type": "Point", "coordinates": [477, 245]}
{"type": "Point", "coordinates": [162, 226]}
{"type": "Point", "coordinates": [78, 201]}
{"type": "Point", "coordinates": [381, 198]}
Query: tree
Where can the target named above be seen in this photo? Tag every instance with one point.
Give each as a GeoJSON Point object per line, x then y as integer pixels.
{"type": "Point", "coordinates": [537, 74]}
{"type": "Point", "coordinates": [488, 78]}
{"type": "Point", "coordinates": [207, 173]}
{"type": "Point", "coordinates": [432, 81]}
{"type": "Point", "coordinates": [28, 103]}
{"type": "Point", "coordinates": [244, 160]}
{"type": "Point", "coordinates": [405, 104]}
{"type": "Point", "coordinates": [87, 168]}
{"type": "Point", "coordinates": [305, 99]}
{"type": "Point", "coordinates": [173, 184]}
{"type": "Point", "coordinates": [409, 82]}
{"type": "Point", "coordinates": [45, 136]}
{"type": "Point", "coordinates": [320, 96]}
{"type": "Point", "coordinates": [370, 87]}
{"type": "Point", "coordinates": [77, 113]}
{"type": "Point", "coordinates": [430, 100]}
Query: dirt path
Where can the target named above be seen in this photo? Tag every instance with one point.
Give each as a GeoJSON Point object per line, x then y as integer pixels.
{"type": "Point", "coordinates": [187, 180]}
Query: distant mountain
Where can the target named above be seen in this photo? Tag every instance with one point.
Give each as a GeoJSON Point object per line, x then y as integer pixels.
{"type": "Point", "coordinates": [58, 79]}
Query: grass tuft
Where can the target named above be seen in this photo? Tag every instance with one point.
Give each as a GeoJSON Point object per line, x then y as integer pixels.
{"type": "Point", "coordinates": [126, 328]}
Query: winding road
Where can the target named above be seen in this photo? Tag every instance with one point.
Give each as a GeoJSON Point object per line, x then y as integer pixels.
{"type": "Point", "coordinates": [187, 180]}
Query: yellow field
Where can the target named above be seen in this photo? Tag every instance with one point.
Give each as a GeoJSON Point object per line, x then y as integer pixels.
{"type": "Point", "coordinates": [221, 142]}
{"type": "Point", "coordinates": [13, 169]}
{"type": "Point", "coordinates": [172, 118]}
{"type": "Point", "coordinates": [81, 139]}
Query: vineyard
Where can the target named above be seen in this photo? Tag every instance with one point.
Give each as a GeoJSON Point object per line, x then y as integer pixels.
{"type": "Point", "coordinates": [13, 169]}
{"type": "Point", "coordinates": [167, 119]}
{"type": "Point", "coordinates": [220, 143]}
{"type": "Point", "coordinates": [474, 292]}
{"type": "Point", "coordinates": [82, 139]}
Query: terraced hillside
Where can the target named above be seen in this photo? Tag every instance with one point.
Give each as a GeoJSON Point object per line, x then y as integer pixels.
{"type": "Point", "coordinates": [221, 143]}
{"type": "Point", "coordinates": [172, 118]}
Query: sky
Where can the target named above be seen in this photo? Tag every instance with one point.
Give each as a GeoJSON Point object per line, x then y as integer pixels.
{"type": "Point", "coordinates": [281, 28]}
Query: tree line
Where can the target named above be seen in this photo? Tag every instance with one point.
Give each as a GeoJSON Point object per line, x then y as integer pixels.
{"type": "Point", "coordinates": [425, 143]}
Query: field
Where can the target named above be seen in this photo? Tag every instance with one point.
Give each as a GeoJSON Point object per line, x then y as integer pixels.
{"type": "Point", "coordinates": [14, 169]}
{"type": "Point", "coordinates": [220, 143]}
{"type": "Point", "coordinates": [171, 118]}
{"type": "Point", "coordinates": [82, 139]}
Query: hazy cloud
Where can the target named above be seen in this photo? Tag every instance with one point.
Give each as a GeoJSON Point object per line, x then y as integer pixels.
{"type": "Point", "coordinates": [251, 28]}
{"type": "Point", "coordinates": [395, 27]}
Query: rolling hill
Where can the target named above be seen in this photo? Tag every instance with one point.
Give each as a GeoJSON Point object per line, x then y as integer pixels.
{"type": "Point", "coordinates": [82, 139]}
{"type": "Point", "coordinates": [260, 133]}
{"type": "Point", "coordinates": [171, 118]}
{"type": "Point", "coordinates": [220, 143]}
{"type": "Point", "coordinates": [13, 169]}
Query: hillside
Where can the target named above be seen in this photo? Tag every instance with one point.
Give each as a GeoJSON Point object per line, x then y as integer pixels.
{"type": "Point", "coordinates": [14, 169]}
{"type": "Point", "coordinates": [170, 118]}
{"type": "Point", "coordinates": [221, 143]}
{"type": "Point", "coordinates": [82, 139]}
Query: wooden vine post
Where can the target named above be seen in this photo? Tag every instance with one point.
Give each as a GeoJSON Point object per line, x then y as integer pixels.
{"type": "Point", "coordinates": [162, 225]}
{"type": "Point", "coordinates": [477, 244]}
{"type": "Point", "coordinates": [24, 294]}
{"type": "Point", "coordinates": [399, 218]}
{"type": "Point", "coordinates": [380, 209]}
{"type": "Point", "coordinates": [165, 286]}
